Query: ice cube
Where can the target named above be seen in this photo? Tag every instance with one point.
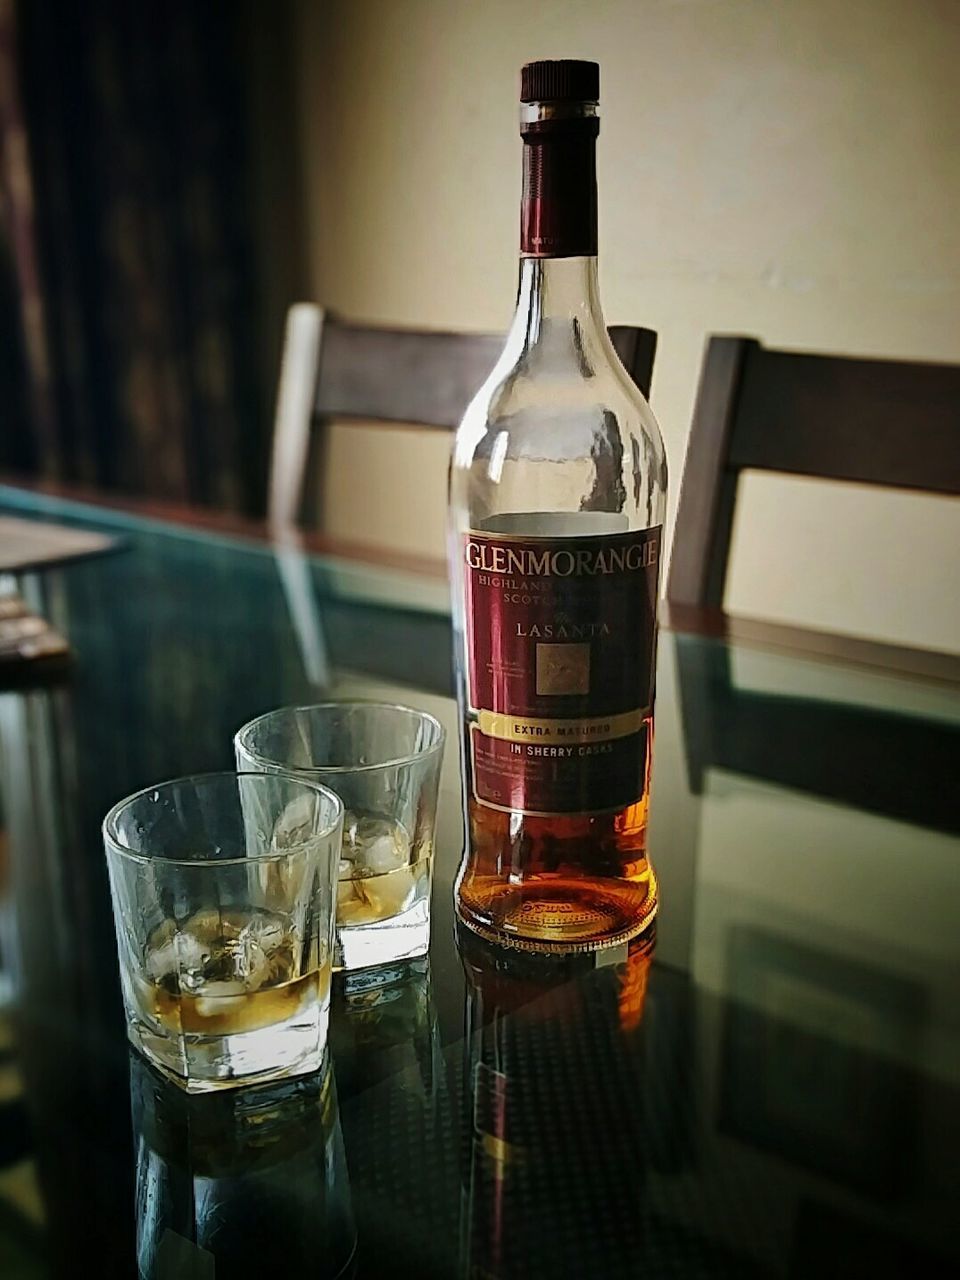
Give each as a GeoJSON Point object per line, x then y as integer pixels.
{"type": "Point", "coordinates": [252, 963]}
{"type": "Point", "coordinates": [183, 955]}
{"type": "Point", "coordinates": [161, 960]}
{"type": "Point", "coordinates": [376, 855]}
{"type": "Point", "coordinates": [389, 895]}
{"type": "Point", "coordinates": [211, 924]}
{"type": "Point", "coordinates": [385, 853]}
{"type": "Point", "coordinates": [297, 823]}
{"type": "Point", "coordinates": [375, 845]}
{"type": "Point", "coordinates": [267, 931]}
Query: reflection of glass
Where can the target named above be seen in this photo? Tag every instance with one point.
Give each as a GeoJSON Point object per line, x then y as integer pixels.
{"type": "Point", "coordinates": [383, 1022]}
{"type": "Point", "coordinates": [384, 763]}
{"type": "Point", "coordinates": [397, 1121]}
{"type": "Point", "coordinates": [556, 1152]}
{"type": "Point", "coordinates": [243, 1183]}
{"type": "Point", "coordinates": [223, 901]}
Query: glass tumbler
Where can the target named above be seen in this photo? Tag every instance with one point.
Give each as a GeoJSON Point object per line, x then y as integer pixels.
{"type": "Point", "coordinates": [383, 762]}
{"type": "Point", "coordinates": [223, 891]}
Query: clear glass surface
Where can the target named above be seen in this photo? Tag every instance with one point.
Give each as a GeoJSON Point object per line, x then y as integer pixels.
{"type": "Point", "coordinates": [789, 1097]}
{"type": "Point", "coordinates": [384, 763]}
{"type": "Point", "coordinates": [223, 891]}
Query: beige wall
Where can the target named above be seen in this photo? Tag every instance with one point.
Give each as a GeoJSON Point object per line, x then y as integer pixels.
{"type": "Point", "coordinates": [783, 168]}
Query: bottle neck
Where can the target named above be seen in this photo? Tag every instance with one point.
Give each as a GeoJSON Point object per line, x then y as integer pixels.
{"type": "Point", "coordinates": [558, 299]}
{"type": "Point", "coordinates": [558, 209]}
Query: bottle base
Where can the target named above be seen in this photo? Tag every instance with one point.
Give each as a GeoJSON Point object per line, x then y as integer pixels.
{"type": "Point", "coordinates": [558, 915]}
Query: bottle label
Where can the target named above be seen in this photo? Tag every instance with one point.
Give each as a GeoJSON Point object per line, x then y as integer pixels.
{"type": "Point", "coordinates": [561, 638]}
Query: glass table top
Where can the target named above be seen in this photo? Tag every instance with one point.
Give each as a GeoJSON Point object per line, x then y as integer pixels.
{"type": "Point", "coordinates": [769, 1086]}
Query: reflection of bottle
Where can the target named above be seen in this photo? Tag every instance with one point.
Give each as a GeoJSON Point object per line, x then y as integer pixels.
{"type": "Point", "coordinates": [240, 1182]}
{"type": "Point", "coordinates": [555, 1153]}
{"type": "Point", "coordinates": [557, 499]}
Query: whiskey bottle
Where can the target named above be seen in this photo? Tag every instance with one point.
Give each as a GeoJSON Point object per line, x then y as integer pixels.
{"type": "Point", "coordinates": [557, 497]}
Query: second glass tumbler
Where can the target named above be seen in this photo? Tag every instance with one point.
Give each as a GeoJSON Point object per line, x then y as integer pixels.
{"type": "Point", "coordinates": [383, 761]}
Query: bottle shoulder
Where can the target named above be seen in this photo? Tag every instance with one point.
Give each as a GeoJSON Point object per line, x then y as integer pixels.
{"type": "Point", "coordinates": [559, 409]}
{"type": "Point", "coordinates": [563, 446]}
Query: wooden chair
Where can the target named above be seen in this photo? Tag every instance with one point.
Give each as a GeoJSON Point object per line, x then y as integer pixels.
{"type": "Point", "coordinates": [883, 422]}
{"type": "Point", "coordinates": [872, 421]}
{"type": "Point", "coordinates": [335, 370]}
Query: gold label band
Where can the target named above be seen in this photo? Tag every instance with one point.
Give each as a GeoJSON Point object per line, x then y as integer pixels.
{"type": "Point", "coordinates": [496, 724]}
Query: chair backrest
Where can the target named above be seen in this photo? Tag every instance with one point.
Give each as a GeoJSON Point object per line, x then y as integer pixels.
{"type": "Point", "coordinates": [410, 375]}
{"type": "Point", "coordinates": [336, 370]}
{"type": "Point", "coordinates": [883, 422]}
